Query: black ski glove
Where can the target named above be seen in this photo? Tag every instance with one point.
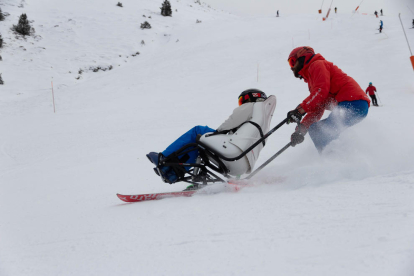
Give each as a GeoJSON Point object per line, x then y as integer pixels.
{"type": "Point", "coordinates": [294, 116]}
{"type": "Point", "coordinates": [298, 136]}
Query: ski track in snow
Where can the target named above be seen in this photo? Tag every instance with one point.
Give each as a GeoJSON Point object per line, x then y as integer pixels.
{"type": "Point", "coordinates": [347, 212]}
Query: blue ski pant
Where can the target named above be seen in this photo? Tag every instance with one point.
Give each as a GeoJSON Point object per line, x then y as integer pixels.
{"type": "Point", "coordinates": [344, 115]}
{"type": "Point", "coordinates": [185, 139]}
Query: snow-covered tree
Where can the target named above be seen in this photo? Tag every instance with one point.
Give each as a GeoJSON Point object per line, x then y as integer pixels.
{"type": "Point", "coordinates": [166, 8]}
{"type": "Point", "coordinates": [23, 27]}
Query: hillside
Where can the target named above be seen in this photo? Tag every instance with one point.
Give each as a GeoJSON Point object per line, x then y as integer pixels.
{"type": "Point", "coordinates": [347, 212]}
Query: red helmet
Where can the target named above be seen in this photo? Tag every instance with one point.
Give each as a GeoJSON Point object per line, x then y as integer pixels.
{"type": "Point", "coordinates": [303, 51]}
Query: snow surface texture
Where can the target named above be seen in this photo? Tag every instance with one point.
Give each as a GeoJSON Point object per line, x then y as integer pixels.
{"type": "Point", "coordinates": [347, 212]}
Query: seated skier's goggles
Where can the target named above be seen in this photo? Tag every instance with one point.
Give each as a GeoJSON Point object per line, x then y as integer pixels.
{"type": "Point", "coordinates": [252, 98]}
{"type": "Point", "coordinates": [241, 100]}
{"type": "Point", "coordinates": [292, 62]}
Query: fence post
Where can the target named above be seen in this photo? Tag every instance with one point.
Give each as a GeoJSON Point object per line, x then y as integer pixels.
{"type": "Point", "coordinates": [412, 57]}
{"type": "Point", "coordinates": [53, 98]}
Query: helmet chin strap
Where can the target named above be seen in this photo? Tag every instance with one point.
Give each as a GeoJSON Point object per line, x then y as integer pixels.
{"type": "Point", "coordinates": [297, 75]}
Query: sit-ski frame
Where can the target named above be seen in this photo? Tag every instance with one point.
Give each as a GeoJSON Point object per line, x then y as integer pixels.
{"type": "Point", "coordinates": [201, 173]}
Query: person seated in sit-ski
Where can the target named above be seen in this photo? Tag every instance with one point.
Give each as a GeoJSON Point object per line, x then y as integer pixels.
{"type": "Point", "coordinates": [245, 126]}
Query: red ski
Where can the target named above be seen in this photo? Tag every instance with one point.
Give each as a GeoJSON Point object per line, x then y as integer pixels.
{"type": "Point", "coordinates": [232, 187]}
{"type": "Point", "coordinates": [146, 197]}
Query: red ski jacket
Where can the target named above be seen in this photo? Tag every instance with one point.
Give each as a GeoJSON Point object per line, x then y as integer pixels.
{"type": "Point", "coordinates": [371, 89]}
{"type": "Point", "coordinates": [328, 86]}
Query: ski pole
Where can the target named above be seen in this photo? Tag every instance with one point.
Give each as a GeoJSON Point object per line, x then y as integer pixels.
{"type": "Point", "coordinates": [376, 93]}
{"type": "Point", "coordinates": [268, 161]}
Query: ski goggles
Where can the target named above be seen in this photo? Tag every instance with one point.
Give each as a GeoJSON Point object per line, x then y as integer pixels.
{"type": "Point", "coordinates": [241, 99]}
{"type": "Point", "coordinates": [292, 62]}
{"type": "Point", "coordinates": [252, 97]}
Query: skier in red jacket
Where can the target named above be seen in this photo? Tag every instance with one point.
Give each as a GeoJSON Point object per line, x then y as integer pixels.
{"type": "Point", "coordinates": [371, 90]}
{"type": "Point", "coordinates": [330, 89]}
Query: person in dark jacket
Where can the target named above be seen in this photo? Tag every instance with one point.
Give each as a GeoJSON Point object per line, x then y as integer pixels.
{"type": "Point", "coordinates": [330, 89]}
{"type": "Point", "coordinates": [371, 92]}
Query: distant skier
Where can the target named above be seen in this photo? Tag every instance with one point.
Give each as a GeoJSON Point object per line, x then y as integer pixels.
{"type": "Point", "coordinates": [329, 88]}
{"type": "Point", "coordinates": [376, 14]}
{"type": "Point", "coordinates": [371, 91]}
{"type": "Point", "coordinates": [381, 12]}
{"type": "Point", "coordinates": [381, 26]}
{"type": "Point", "coordinates": [413, 23]}
{"type": "Point", "coordinates": [277, 13]}
{"type": "Point", "coordinates": [246, 133]}
{"type": "Point", "coordinates": [336, 9]}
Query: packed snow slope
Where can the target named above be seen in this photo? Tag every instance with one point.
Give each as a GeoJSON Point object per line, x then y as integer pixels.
{"type": "Point", "coordinates": [269, 7]}
{"type": "Point", "coordinates": [349, 211]}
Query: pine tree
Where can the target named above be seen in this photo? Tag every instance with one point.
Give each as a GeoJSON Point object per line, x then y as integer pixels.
{"type": "Point", "coordinates": [2, 17]}
{"type": "Point", "coordinates": [23, 27]}
{"type": "Point", "coordinates": [166, 8]}
{"type": "Point", "coordinates": [145, 25]}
